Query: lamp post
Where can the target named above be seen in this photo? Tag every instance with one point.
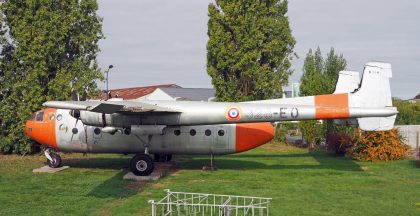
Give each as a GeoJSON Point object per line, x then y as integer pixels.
{"type": "Point", "coordinates": [107, 89]}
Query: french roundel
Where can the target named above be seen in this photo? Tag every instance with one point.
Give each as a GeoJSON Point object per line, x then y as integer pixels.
{"type": "Point", "coordinates": [233, 113]}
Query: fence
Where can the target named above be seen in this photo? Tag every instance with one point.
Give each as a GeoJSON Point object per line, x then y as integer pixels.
{"type": "Point", "coordinates": [411, 133]}
{"type": "Point", "coordinates": [181, 203]}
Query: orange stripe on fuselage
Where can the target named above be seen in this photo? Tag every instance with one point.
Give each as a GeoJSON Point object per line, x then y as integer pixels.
{"type": "Point", "coordinates": [332, 106]}
{"type": "Point", "coordinates": [251, 135]}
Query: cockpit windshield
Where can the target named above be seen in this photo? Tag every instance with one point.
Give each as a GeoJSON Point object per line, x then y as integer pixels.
{"type": "Point", "coordinates": [40, 116]}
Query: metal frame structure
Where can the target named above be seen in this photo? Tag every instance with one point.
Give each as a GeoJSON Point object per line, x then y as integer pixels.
{"type": "Point", "coordinates": [183, 203]}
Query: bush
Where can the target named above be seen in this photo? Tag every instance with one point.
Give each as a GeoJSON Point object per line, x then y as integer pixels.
{"type": "Point", "coordinates": [280, 135]}
{"type": "Point", "coordinates": [339, 142]}
{"type": "Point", "coordinates": [378, 146]}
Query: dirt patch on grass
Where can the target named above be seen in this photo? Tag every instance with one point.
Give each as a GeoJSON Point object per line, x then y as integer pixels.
{"type": "Point", "coordinates": [137, 185]}
{"type": "Point", "coordinates": [160, 185]}
{"type": "Point", "coordinates": [364, 168]}
{"type": "Point", "coordinates": [197, 181]}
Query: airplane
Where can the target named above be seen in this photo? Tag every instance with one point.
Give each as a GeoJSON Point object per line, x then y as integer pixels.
{"type": "Point", "coordinates": [165, 128]}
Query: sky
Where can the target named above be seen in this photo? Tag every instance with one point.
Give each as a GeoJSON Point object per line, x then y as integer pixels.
{"type": "Point", "coordinates": [152, 42]}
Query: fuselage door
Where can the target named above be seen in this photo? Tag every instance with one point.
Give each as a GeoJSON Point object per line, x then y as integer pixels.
{"type": "Point", "coordinates": [222, 134]}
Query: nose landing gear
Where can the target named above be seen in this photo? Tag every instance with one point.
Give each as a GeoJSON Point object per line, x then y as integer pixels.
{"type": "Point", "coordinates": [53, 159]}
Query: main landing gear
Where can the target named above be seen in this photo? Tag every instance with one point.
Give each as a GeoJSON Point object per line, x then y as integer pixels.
{"type": "Point", "coordinates": [53, 159]}
{"type": "Point", "coordinates": [143, 164]}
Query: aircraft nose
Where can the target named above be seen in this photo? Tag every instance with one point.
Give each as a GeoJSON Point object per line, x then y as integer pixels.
{"type": "Point", "coordinates": [251, 135]}
{"type": "Point", "coordinates": [41, 127]}
{"type": "Point", "coordinates": [29, 125]}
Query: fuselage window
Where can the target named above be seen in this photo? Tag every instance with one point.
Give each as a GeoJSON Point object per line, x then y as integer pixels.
{"type": "Point", "coordinates": [97, 131]}
{"type": "Point", "coordinates": [177, 132]}
{"type": "Point", "coordinates": [59, 117]}
{"type": "Point", "coordinates": [40, 116]}
{"type": "Point", "coordinates": [52, 116]}
{"type": "Point", "coordinates": [207, 132]}
{"type": "Point", "coordinates": [221, 132]}
{"type": "Point", "coordinates": [193, 132]}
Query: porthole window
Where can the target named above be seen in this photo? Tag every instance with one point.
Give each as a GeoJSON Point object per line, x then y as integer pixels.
{"type": "Point", "coordinates": [221, 132]}
{"type": "Point", "coordinates": [74, 130]}
{"type": "Point", "coordinates": [193, 132]}
{"type": "Point", "coordinates": [52, 116]}
{"type": "Point", "coordinates": [97, 131]}
{"type": "Point", "coordinates": [207, 132]}
{"type": "Point", "coordinates": [59, 117]}
{"type": "Point", "coordinates": [177, 132]}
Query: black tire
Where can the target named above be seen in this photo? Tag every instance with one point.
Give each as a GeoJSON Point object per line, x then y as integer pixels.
{"type": "Point", "coordinates": [141, 165]}
{"type": "Point", "coordinates": [56, 160]}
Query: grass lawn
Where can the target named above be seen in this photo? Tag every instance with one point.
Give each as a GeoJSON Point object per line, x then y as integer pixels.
{"type": "Point", "coordinates": [300, 183]}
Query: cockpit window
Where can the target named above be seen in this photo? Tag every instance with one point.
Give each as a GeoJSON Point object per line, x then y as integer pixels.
{"type": "Point", "coordinates": [32, 116]}
{"type": "Point", "coordinates": [40, 116]}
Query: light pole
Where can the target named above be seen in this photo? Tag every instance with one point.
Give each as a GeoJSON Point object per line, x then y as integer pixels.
{"type": "Point", "coordinates": [107, 89]}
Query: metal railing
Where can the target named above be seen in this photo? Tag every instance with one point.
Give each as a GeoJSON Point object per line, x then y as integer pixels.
{"type": "Point", "coordinates": [182, 203]}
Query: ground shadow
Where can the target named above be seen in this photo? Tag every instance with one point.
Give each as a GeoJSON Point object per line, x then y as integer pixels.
{"type": "Point", "coordinates": [115, 187]}
{"type": "Point", "coordinates": [97, 163]}
{"type": "Point", "coordinates": [415, 163]}
{"type": "Point", "coordinates": [325, 161]}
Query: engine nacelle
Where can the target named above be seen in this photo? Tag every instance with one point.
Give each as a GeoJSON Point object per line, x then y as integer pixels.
{"type": "Point", "coordinates": [112, 120]}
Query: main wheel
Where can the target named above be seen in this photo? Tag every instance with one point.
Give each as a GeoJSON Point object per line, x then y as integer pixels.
{"type": "Point", "coordinates": [56, 160]}
{"type": "Point", "coordinates": [141, 165]}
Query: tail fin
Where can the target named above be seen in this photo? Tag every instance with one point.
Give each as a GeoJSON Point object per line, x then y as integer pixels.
{"type": "Point", "coordinates": [374, 92]}
{"type": "Point", "coordinates": [348, 81]}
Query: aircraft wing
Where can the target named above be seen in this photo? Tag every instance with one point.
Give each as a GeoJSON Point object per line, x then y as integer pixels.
{"type": "Point", "coordinates": [109, 107]}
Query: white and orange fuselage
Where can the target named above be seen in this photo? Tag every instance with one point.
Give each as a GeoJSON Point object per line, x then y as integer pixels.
{"type": "Point", "coordinates": [56, 128]}
{"type": "Point", "coordinates": [198, 127]}
{"type": "Point", "coordinates": [187, 127]}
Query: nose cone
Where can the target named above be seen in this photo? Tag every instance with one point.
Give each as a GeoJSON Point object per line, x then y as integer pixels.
{"type": "Point", "coordinates": [251, 135]}
{"type": "Point", "coordinates": [41, 127]}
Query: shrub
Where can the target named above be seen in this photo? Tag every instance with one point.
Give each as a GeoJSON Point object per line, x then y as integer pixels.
{"type": "Point", "coordinates": [339, 142]}
{"type": "Point", "coordinates": [378, 146]}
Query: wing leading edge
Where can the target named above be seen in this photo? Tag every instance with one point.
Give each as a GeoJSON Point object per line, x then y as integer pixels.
{"type": "Point", "coordinates": [109, 107]}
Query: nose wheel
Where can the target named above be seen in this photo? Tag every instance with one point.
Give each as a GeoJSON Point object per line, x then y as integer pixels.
{"type": "Point", "coordinates": [141, 165]}
{"type": "Point", "coordinates": [53, 159]}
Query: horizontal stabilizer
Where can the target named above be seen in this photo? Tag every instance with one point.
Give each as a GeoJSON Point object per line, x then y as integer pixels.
{"type": "Point", "coordinates": [377, 123]}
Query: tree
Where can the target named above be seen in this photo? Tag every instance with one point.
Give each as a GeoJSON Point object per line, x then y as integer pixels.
{"type": "Point", "coordinates": [319, 77]}
{"type": "Point", "coordinates": [408, 112]}
{"type": "Point", "coordinates": [51, 52]}
{"type": "Point", "coordinates": [250, 49]}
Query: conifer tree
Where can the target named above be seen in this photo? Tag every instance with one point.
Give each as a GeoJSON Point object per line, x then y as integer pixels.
{"type": "Point", "coordinates": [249, 49]}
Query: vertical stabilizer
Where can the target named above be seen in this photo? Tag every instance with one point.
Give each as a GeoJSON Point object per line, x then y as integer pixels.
{"type": "Point", "coordinates": [374, 92]}
{"type": "Point", "coordinates": [348, 81]}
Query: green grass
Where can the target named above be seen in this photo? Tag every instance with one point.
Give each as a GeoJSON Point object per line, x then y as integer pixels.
{"type": "Point", "coordinates": [300, 183]}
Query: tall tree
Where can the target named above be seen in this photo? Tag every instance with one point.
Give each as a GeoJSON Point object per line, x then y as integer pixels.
{"type": "Point", "coordinates": [249, 49]}
{"type": "Point", "coordinates": [52, 51]}
{"type": "Point", "coordinates": [319, 77]}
